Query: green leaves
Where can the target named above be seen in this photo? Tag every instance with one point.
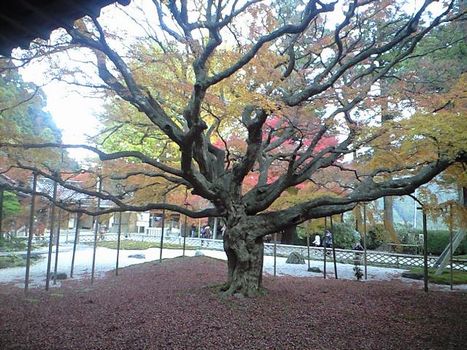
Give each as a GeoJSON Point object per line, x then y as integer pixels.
{"type": "Point", "coordinates": [11, 205]}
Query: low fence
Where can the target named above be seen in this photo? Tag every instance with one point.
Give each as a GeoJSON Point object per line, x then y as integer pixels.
{"type": "Point", "coordinates": [316, 253]}
{"type": "Point", "coordinates": [373, 257]}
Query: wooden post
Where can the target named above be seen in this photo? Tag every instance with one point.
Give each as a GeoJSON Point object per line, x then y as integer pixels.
{"type": "Point", "coordinates": [96, 228]}
{"type": "Point", "coordinates": [31, 231]}
{"type": "Point", "coordinates": [364, 242]}
{"type": "Point", "coordinates": [57, 245]}
{"type": "Point", "coordinates": [78, 217]}
{"type": "Point", "coordinates": [51, 234]}
{"type": "Point", "coordinates": [308, 248]}
{"type": "Point", "coordinates": [119, 234]}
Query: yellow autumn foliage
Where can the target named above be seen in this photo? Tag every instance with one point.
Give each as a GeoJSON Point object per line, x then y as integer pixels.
{"type": "Point", "coordinates": [423, 137]}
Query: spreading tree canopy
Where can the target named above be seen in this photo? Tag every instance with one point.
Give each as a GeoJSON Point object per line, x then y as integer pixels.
{"type": "Point", "coordinates": [258, 107]}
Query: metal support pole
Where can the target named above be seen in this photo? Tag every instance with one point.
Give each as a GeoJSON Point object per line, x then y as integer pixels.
{"type": "Point", "coordinates": [333, 250]}
{"type": "Point", "coordinates": [31, 231]}
{"type": "Point", "coordinates": [324, 247]}
{"type": "Point", "coordinates": [118, 241]}
{"type": "Point", "coordinates": [96, 228]}
{"type": "Point", "coordinates": [425, 252]}
{"type": "Point", "coordinates": [1, 211]}
{"type": "Point", "coordinates": [184, 235]}
{"type": "Point", "coordinates": [260, 279]}
{"type": "Point", "coordinates": [162, 232]}
{"type": "Point", "coordinates": [214, 229]}
{"type": "Point", "coordinates": [67, 226]}
{"type": "Point", "coordinates": [334, 256]}
{"type": "Point", "coordinates": [78, 217]}
{"type": "Point", "coordinates": [364, 242]}
{"type": "Point", "coordinates": [324, 257]}
{"type": "Point", "coordinates": [58, 244]}
{"type": "Point", "coordinates": [199, 234]}
{"type": "Point", "coordinates": [52, 227]}
{"type": "Point", "coordinates": [450, 245]}
{"type": "Point", "coordinates": [308, 248]}
{"type": "Point", "coordinates": [275, 251]}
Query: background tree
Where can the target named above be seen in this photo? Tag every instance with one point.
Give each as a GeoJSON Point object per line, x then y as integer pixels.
{"type": "Point", "coordinates": [283, 80]}
{"type": "Point", "coordinates": [23, 117]}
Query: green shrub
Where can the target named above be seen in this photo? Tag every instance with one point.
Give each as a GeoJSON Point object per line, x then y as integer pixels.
{"type": "Point", "coordinates": [13, 244]}
{"type": "Point", "coordinates": [13, 260]}
{"type": "Point", "coordinates": [406, 234]}
{"type": "Point", "coordinates": [438, 241]}
{"type": "Point", "coordinates": [345, 235]}
{"type": "Point", "coordinates": [377, 235]}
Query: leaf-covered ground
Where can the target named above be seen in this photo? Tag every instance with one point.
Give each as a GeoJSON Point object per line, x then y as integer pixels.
{"type": "Point", "coordinates": [175, 305]}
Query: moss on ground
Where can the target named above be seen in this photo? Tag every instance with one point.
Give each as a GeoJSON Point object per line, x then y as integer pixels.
{"type": "Point", "coordinates": [138, 245]}
{"type": "Point", "coordinates": [458, 277]}
{"type": "Point", "coordinates": [13, 244]}
{"type": "Point", "coordinates": [16, 260]}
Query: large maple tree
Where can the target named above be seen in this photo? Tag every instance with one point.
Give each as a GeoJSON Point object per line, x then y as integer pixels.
{"type": "Point", "coordinates": [240, 102]}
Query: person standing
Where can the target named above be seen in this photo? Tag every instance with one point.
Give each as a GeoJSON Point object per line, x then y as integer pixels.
{"type": "Point", "coordinates": [317, 241]}
{"type": "Point", "coordinates": [193, 230]}
{"type": "Point", "coordinates": [207, 232]}
{"type": "Point", "coordinates": [327, 241]}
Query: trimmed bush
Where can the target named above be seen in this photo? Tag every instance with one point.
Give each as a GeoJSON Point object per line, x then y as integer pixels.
{"type": "Point", "coordinates": [345, 235]}
{"type": "Point", "coordinates": [439, 239]}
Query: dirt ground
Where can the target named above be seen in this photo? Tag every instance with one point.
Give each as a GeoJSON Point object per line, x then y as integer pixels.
{"type": "Point", "coordinates": [176, 305]}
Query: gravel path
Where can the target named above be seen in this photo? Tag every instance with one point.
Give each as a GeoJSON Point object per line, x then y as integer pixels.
{"type": "Point", "coordinates": [106, 259]}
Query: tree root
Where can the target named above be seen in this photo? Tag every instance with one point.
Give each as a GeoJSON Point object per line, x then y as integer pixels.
{"type": "Point", "coordinates": [241, 291]}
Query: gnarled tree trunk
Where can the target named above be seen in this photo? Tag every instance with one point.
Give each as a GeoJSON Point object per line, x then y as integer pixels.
{"type": "Point", "coordinates": [244, 251]}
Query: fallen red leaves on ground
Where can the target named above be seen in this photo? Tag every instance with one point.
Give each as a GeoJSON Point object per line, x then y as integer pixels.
{"type": "Point", "coordinates": [176, 305]}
